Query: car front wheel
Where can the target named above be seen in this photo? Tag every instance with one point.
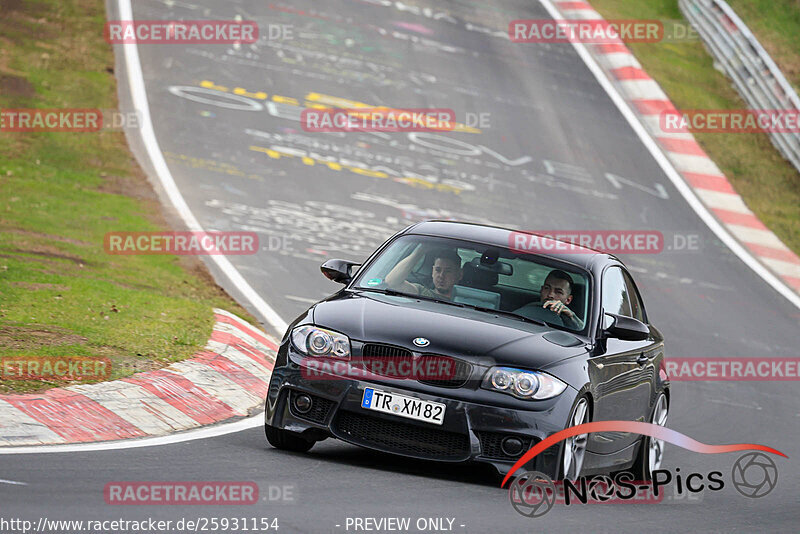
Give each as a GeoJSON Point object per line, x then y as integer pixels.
{"type": "Point", "coordinates": [575, 447]}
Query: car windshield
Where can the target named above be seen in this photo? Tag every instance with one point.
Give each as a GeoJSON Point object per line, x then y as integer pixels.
{"type": "Point", "coordinates": [485, 277]}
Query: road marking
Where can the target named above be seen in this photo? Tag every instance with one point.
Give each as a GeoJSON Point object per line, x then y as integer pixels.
{"type": "Point", "coordinates": [671, 172]}
{"type": "Point", "coordinates": [14, 482]}
{"type": "Point", "coordinates": [735, 404]}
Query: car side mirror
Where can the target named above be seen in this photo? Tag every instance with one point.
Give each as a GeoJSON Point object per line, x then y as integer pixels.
{"type": "Point", "coordinates": [338, 270]}
{"type": "Point", "coordinates": [625, 328]}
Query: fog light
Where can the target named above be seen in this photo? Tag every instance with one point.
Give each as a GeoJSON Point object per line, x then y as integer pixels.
{"type": "Point", "coordinates": [302, 403]}
{"type": "Point", "coordinates": [511, 446]}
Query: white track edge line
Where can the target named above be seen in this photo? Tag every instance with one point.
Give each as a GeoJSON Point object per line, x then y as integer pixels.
{"type": "Point", "coordinates": [672, 173]}
{"type": "Point", "coordinates": [201, 433]}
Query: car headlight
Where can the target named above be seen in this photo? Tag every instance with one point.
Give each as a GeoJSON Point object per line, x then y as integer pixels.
{"type": "Point", "coordinates": [315, 341]}
{"type": "Point", "coordinates": [523, 384]}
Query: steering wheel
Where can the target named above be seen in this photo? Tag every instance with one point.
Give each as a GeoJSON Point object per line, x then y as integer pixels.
{"type": "Point", "coordinates": [419, 278]}
{"type": "Point", "coordinates": [547, 315]}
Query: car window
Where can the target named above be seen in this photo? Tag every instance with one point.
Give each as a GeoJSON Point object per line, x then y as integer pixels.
{"type": "Point", "coordinates": [616, 298]}
{"type": "Point", "coordinates": [525, 275]}
{"type": "Point", "coordinates": [637, 309]}
{"type": "Point", "coordinates": [490, 277]}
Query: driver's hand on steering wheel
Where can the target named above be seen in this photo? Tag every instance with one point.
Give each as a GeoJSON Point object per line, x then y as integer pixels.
{"type": "Point", "coordinates": [558, 307]}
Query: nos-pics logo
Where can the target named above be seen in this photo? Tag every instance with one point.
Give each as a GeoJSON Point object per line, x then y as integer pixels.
{"type": "Point", "coordinates": [533, 494]}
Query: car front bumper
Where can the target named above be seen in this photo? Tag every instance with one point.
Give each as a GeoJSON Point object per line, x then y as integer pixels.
{"type": "Point", "coordinates": [475, 424]}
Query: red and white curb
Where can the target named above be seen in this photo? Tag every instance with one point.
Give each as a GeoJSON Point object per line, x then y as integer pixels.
{"type": "Point", "coordinates": [228, 379]}
{"type": "Point", "coordinates": [698, 170]}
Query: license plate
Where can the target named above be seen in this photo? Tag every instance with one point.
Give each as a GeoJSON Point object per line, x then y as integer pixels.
{"type": "Point", "coordinates": [403, 406]}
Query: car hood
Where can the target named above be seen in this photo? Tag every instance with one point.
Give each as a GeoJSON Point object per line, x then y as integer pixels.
{"type": "Point", "coordinates": [463, 332]}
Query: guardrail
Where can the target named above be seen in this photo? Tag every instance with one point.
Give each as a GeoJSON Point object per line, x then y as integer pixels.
{"type": "Point", "coordinates": [755, 75]}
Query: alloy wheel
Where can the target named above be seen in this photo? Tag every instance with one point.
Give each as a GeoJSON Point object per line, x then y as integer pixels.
{"type": "Point", "coordinates": [575, 446]}
{"type": "Point", "coordinates": [655, 453]}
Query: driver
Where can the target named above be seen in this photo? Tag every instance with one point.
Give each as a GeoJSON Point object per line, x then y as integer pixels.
{"type": "Point", "coordinates": [446, 273]}
{"type": "Point", "coordinates": [556, 294]}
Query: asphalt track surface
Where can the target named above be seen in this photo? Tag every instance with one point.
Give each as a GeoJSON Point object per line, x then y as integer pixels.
{"type": "Point", "coordinates": [545, 110]}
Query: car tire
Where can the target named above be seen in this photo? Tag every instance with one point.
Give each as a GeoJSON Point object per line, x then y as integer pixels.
{"type": "Point", "coordinates": [574, 448]}
{"type": "Point", "coordinates": [651, 451]}
{"type": "Point", "coordinates": [287, 440]}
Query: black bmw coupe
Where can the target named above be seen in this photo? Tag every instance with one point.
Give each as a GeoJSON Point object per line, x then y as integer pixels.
{"type": "Point", "coordinates": [454, 343]}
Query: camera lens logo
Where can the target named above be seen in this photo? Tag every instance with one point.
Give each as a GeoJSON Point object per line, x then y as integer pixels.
{"type": "Point", "coordinates": [601, 488]}
{"type": "Point", "coordinates": [754, 475]}
{"type": "Point", "coordinates": [532, 494]}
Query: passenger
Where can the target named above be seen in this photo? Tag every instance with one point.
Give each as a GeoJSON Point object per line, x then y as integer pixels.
{"type": "Point", "coordinates": [556, 294]}
{"type": "Point", "coordinates": [446, 273]}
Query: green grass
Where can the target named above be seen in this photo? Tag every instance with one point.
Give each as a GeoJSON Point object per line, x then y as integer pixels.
{"type": "Point", "coordinates": [60, 293]}
{"type": "Point", "coordinates": [776, 23]}
{"type": "Point", "coordinates": [769, 185]}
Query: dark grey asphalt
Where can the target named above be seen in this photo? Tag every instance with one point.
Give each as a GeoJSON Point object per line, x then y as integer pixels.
{"type": "Point", "coordinates": [542, 163]}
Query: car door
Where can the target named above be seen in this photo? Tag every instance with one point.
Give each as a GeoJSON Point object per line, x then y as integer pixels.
{"type": "Point", "coordinates": [652, 356]}
{"type": "Point", "coordinates": [620, 377]}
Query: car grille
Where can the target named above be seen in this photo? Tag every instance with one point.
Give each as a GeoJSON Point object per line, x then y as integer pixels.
{"type": "Point", "coordinates": [401, 438]}
{"type": "Point", "coordinates": [320, 408]}
{"type": "Point", "coordinates": [463, 370]}
{"type": "Point", "coordinates": [490, 445]}
{"type": "Point", "coordinates": [398, 355]}
{"type": "Point", "coordinates": [387, 353]}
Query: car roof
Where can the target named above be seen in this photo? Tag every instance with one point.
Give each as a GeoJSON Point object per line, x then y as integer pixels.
{"type": "Point", "coordinates": [501, 237]}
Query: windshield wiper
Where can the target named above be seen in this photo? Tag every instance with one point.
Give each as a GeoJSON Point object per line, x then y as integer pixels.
{"type": "Point", "coordinates": [383, 291]}
{"type": "Point", "coordinates": [508, 314]}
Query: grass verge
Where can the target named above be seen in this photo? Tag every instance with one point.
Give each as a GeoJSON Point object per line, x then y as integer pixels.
{"type": "Point", "coordinates": [776, 24]}
{"type": "Point", "coordinates": [60, 293]}
{"type": "Point", "coordinates": [769, 184]}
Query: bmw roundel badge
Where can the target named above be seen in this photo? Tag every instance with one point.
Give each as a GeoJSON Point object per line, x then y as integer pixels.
{"type": "Point", "coordinates": [421, 342]}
